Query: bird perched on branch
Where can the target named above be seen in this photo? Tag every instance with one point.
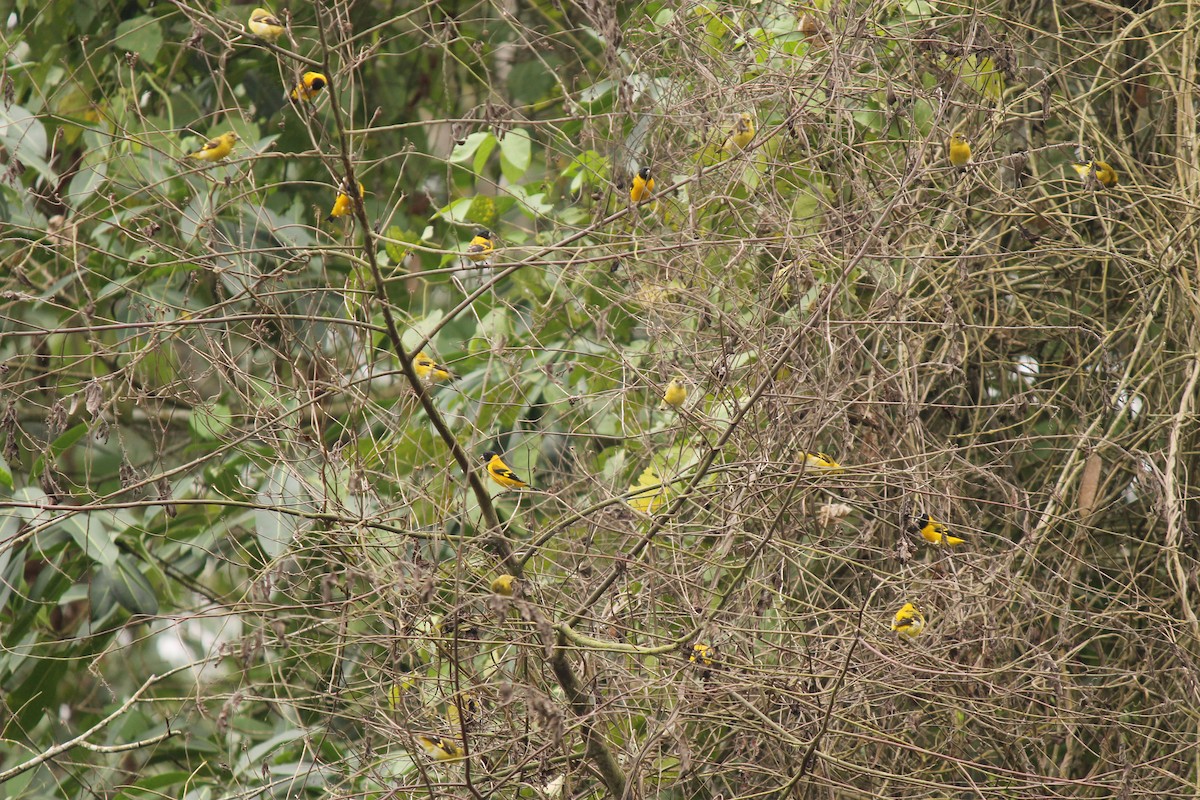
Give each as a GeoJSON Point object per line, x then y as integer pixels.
{"type": "Point", "coordinates": [428, 369]}
{"type": "Point", "coordinates": [216, 149]}
{"type": "Point", "coordinates": [909, 621]}
{"type": "Point", "coordinates": [501, 473]}
{"type": "Point", "coordinates": [959, 150]}
{"type": "Point", "coordinates": [480, 248]}
{"type": "Point", "coordinates": [440, 748]}
{"type": "Point", "coordinates": [642, 187]}
{"type": "Point", "coordinates": [740, 136]}
{"type": "Point", "coordinates": [934, 532]}
{"type": "Point", "coordinates": [1104, 174]}
{"type": "Point", "coordinates": [819, 462]}
{"type": "Point", "coordinates": [503, 585]}
{"type": "Point", "coordinates": [310, 85]}
{"type": "Point", "coordinates": [265, 25]}
{"type": "Point", "coordinates": [675, 395]}
{"type": "Point", "coordinates": [343, 204]}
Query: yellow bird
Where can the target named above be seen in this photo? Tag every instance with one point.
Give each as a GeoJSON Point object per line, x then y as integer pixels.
{"type": "Point", "coordinates": [343, 204]}
{"type": "Point", "coordinates": [1105, 175]}
{"type": "Point", "coordinates": [643, 186]}
{"type": "Point", "coordinates": [265, 25]}
{"type": "Point", "coordinates": [740, 136]}
{"type": "Point", "coordinates": [675, 395]}
{"type": "Point", "coordinates": [701, 654]}
{"type": "Point", "coordinates": [310, 85]}
{"type": "Point", "coordinates": [503, 585]}
{"type": "Point", "coordinates": [216, 149]}
{"type": "Point", "coordinates": [959, 150]}
{"type": "Point", "coordinates": [909, 621]}
{"type": "Point", "coordinates": [428, 369]}
{"type": "Point", "coordinates": [440, 748]}
{"type": "Point", "coordinates": [819, 462]}
{"type": "Point", "coordinates": [501, 473]}
{"type": "Point", "coordinates": [480, 248]}
{"type": "Point", "coordinates": [934, 532]}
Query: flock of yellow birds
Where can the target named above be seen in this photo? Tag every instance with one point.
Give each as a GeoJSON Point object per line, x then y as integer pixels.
{"type": "Point", "coordinates": [908, 621]}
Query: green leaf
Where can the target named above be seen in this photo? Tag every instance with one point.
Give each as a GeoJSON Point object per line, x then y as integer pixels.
{"type": "Point", "coordinates": [516, 154]}
{"type": "Point", "coordinates": [463, 152]}
{"type": "Point", "coordinates": [24, 137]}
{"type": "Point", "coordinates": [6, 478]}
{"type": "Point", "coordinates": [211, 422]}
{"type": "Point", "coordinates": [59, 446]}
{"type": "Point", "coordinates": [275, 530]}
{"type": "Point", "coordinates": [132, 589]}
{"type": "Point", "coordinates": [141, 35]}
{"type": "Point", "coordinates": [93, 536]}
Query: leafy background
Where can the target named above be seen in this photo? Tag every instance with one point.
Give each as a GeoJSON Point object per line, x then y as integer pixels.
{"type": "Point", "coordinates": [245, 551]}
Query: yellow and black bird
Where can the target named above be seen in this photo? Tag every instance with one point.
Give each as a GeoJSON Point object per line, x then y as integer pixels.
{"type": "Point", "coordinates": [643, 186]}
{"type": "Point", "coordinates": [430, 370]}
{"type": "Point", "coordinates": [216, 149]}
{"type": "Point", "coordinates": [909, 621]}
{"type": "Point", "coordinates": [310, 85]}
{"type": "Point", "coordinates": [440, 748]}
{"type": "Point", "coordinates": [480, 248]}
{"type": "Point", "coordinates": [933, 531]}
{"type": "Point", "coordinates": [959, 150]}
{"type": "Point", "coordinates": [740, 136]}
{"type": "Point", "coordinates": [500, 472]}
{"type": "Point", "coordinates": [343, 204]}
{"type": "Point", "coordinates": [819, 462]}
{"type": "Point", "coordinates": [1104, 174]}
{"type": "Point", "coordinates": [265, 25]}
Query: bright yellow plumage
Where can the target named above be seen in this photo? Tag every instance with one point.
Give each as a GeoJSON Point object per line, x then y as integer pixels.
{"type": "Point", "coordinates": [959, 150]}
{"type": "Point", "coordinates": [265, 25]}
{"type": "Point", "coordinates": [909, 621]}
{"type": "Point", "coordinates": [643, 186]}
{"type": "Point", "coordinates": [819, 462]}
{"type": "Point", "coordinates": [428, 369]}
{"type": "Point", "coordinates": [216, 149]}
{"type": "Point", "coordinates": [440, 748]}
{"type": "Point", "coordinates": [675, 395]}
{"type": "Point", "coordinates": [310, 85]}
{"type": "Point", "coordinates": [1104, 174]}
{"type": "Point", "coordinates": [480, 248]}
{"type": "Point", "coordinates": [934, 532]}
{"type": "Point", "coordinates": [740, 136]}
{"type": "Point", "coordinates": [501, 473]}
{"type": "Point", "coordinates": [503, 585]}
{"type": "Point", "coordinates": [343, 204]}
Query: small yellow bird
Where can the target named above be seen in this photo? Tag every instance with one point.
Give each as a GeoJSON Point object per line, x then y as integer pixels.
{"type": "Point", "coordinates": [740, 136]}
{"type": "Point", "coordinates": [310, 85]}
{"type": "Point", "coordinates": [643, 186]}
{"type": "Point", "coordinates": [440, 748]}
{"type": "Point", "coordinates": [501, 473]}
{"type": "Point", "coordinates": [265, 25]}
{"type": "Point", "coordinates": [959, 150]}
{"type": "Point", "coordinates": [701, 654]}
{"type": "Point", "coordinates": [343, 204]}
{"type": "Point", "coordinates": [1105, 175]}
{"type": "Point", "coordinates": [934, 532]}
{"type": "Point", "coordinates": [675, 395]}
{"type": "Point", "coordinates": [480, 248]}
{"type": "Point", "coordinates": [819, 462]}
{"type": "Point", "coordinates": [503, 585]}
{"type": "Point", "coordinates": [909, 621]}
{"type": "Point", "coordinates": [428, 369]}
{"type": "Point", "coordinates": [216, 149]}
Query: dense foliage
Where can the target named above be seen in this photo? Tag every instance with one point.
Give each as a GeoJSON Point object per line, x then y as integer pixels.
{"type": "Point", "coordinates": [247, 548]}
